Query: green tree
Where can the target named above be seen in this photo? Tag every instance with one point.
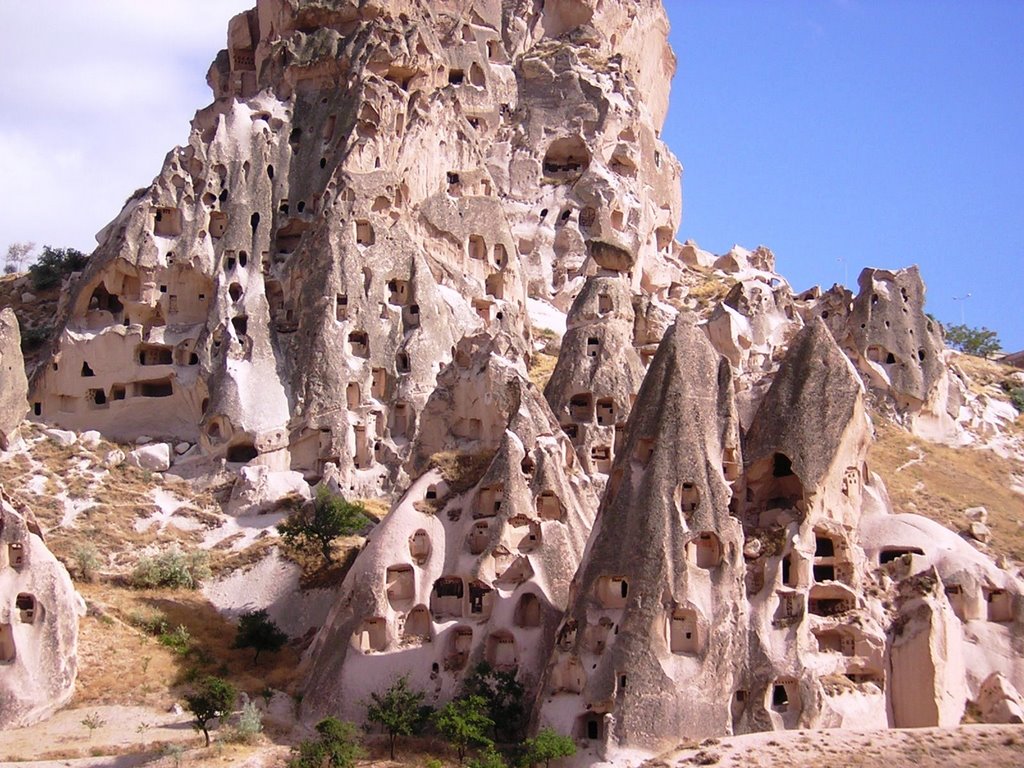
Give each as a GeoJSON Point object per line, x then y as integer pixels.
{"type": "Point", "coordinates": [399, 711]}
{"type": "Point", "coordinates": [547, 746]}
{"type": "Point", "coordinates": [336, 747]}
{"type": "Point", "coordinates": [257, 631]}
{"type": "Point", "coordinates": [53, 264]}
{"type": "Point", "coordinates": [464, 723]}
{"type": "Point", "coordinates": [489, 757]}
{"type": "Point", "coordinates": [319, 525]}
{"type": "Point", "coordinates": [505, 697]}
{"type": "Point", "coordinates": [213, 698]}
{"type": "Point", "coordinates": [972, 341]}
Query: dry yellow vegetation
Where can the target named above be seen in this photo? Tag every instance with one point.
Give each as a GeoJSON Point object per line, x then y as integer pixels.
{"type": "Point", "coordinates": [940, 482]}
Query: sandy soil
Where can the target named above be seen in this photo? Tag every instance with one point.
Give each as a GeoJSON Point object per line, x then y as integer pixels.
{"type": "Point", "coordinates": [969, 746]}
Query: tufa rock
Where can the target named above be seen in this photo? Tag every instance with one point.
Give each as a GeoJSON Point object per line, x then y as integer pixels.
{"type": "Point", "coordinates": [13, 384]}
{"type": "Point", "coordinates": [39, 612]}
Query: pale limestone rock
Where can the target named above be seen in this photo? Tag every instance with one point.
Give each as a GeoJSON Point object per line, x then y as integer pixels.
{"type": "Point", "coordinates": [976, 514]}
{"type": "Point", "coordinates": [980, 532]}
{"type": "Point", "coordinates": [63, 437]}
{"type": "Point", "coordinates": [39, 612]}
{"type": "Point", "coordinates": [650, 647]}
{"type": "Point", "coordinates": [114, 458]}
{"type": "Point", "coordinates": [454, 576]}
{"type": "Point", "coordinates": [13, 384]}
{"type": "Point", "coordinates": [926, 673]}
{"type": "Point", "coordinates": [155, 457]}
{"type": "Point", "coordinates": [999, 701]}
{"type": "Point", "coordinates": [259, 489]}
{"type": "Point", "coordinates": [90, 438]}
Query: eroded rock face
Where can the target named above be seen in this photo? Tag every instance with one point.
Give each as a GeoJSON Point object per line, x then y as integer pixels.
{"type": "Point", "coordinates": [39, 611]}
{"type": "Point", "coordinates": [13, 384]}
{"type": "Point", "coordinates": [370, 184]}
{"type": "Point", "coordinates": [334, 279]}
{"type": "Point", "coordinates": [653, 638]}
{"type": "Point", "coordinates": [463, 569]}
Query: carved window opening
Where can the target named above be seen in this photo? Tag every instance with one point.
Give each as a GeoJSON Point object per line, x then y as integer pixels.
{"type": "Point", "coordinates": [27, 608]}
{"type": "Point", "coordinates": [158, 388]}
{"type": "Point", "coordinates": [242, 453]}
{"type": "Point", "coordinates": [581, 407]}
{"type": "Point", "coordinates": [364, 233]}
{"type": "Point", "coordinates": [684, 632]}
{"type": "Point", "coordinates": [446, 597]}
{"type": "Point", "coordinates": [372, 635]}
{"type": "Point", "coordinates": [167, 222]}
{"type": "Point", "coordinates": [419, 547]}
{"type": "Point", "coordinates": [606, 412]}
{"type": "Point", "coordinates": [16, 554]}
{"type": "Point", "coordinates": [401, 586]}
{"type": "Point", "coordinates": [612, 591]}
{"type": "Point", "coordinates": [359, 344]}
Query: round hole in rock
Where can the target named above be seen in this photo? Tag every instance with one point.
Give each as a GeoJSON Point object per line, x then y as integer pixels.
{"type": "Point", "coordinates": [242, 453]}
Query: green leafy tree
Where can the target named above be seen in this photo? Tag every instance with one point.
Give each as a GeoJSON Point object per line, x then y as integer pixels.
{"type": "Point", "coordinates": [973, 341]}
{"type": "Point", "coordinates": [464, 722]}
{"type": "Point", "coordinates": [257, 631]}
{"type": "Point", "coordinates": [505, 698]}
{"type": "Point", "coordinates": [399, 711]}
{"type": "Point", "coordinates": [489, 757]}
{"type": "Point", "coordinates": [546, 746]}
{"type": "Point", "coordinates": [328, 518]}
{"type": "Point", "coordinates": [336, 747]}
{"type": "Point", "coordinates": [214, 697]}
{"type": "Point", "coordinates": [53, 264]}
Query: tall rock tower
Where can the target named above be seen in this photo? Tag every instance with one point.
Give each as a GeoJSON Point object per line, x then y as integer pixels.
{"type": "Point", "coordinates": [373, 181]}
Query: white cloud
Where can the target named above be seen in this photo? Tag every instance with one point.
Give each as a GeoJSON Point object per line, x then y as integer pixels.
{"type": "Point", "coordinates": [94, 95]}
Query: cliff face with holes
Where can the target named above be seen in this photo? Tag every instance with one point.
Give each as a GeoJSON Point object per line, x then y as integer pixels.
{"type": "Point", "coordinates": [351, 270]}
{"type": "Point", "coordinates": [39, 611]}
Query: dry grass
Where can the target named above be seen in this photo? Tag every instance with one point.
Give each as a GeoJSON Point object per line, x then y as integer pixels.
{"type": "Point", "coordinates": [985, 373]}
{"type": "Point", "coordinates": [542, 365]}
{"type": "Point", "coordinates": [461, 471]}
{"type": "Point", "coordinates": [945, 481]}
{"type": "Point", "coordinates": [114, 648]}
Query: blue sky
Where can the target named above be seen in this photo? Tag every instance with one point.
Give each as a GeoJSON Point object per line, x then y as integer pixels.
{"type": "Point", "coordinates": [849, 133]}
{"type": "Point", "coordinates": [839, 133]}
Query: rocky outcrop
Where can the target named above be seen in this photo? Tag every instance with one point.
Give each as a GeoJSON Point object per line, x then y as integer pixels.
{"type": "Point", "coordinates": [473, 563]}
{"type": "Point", "coordinates": [13, 384]}
{"type": "Point", "coordinates": [39, 612]}
{"type": "Point", "coordinates": [651, 643]}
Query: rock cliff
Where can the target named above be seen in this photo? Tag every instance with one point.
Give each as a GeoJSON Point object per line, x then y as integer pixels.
{"type": "Point", "coordinates": [340, 277]}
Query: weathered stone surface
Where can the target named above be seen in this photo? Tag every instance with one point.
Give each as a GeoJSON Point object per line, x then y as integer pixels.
{"type": "Point", "coordinates": [13, 384]}
{"type": "Point", "coordinates": [467, 569]}
{"type": "Point", "coordinates": [652, 640]}
{"type": "Point", "coordinates": [39, 612]}
{"type": "Point", "coordinates": [155, 457]}
{"type": "Point", "coordinates": [999, 702]}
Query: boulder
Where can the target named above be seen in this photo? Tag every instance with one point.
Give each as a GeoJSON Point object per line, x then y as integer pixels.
{"type": "Point", "coordinates": [259, 489]}
{"type": "Point", "coordinates": [999, 702]}
{"type": "Point", "coordinates": [156, 457]}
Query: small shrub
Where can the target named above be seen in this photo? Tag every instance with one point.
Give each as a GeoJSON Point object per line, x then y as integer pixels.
{"type": "Point", "coordinates": [154, 623]}
{"type": "Point", "coordinates": [249, 726]}
{"type": "Point", "coordinates": [173, 569]}
{"type": "Point", "coordinates": [179, 641]}
{"type": "Point", "coordinates": [1017, 398]}
{"type": "Point", "coordinates": [93, 721]}
{"type": "Point", "coordinates": [328, 518]}
{"type": "Point", "coordinates": [336, 747]}
{"type": "Point", "coordinates": [87, 562]}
